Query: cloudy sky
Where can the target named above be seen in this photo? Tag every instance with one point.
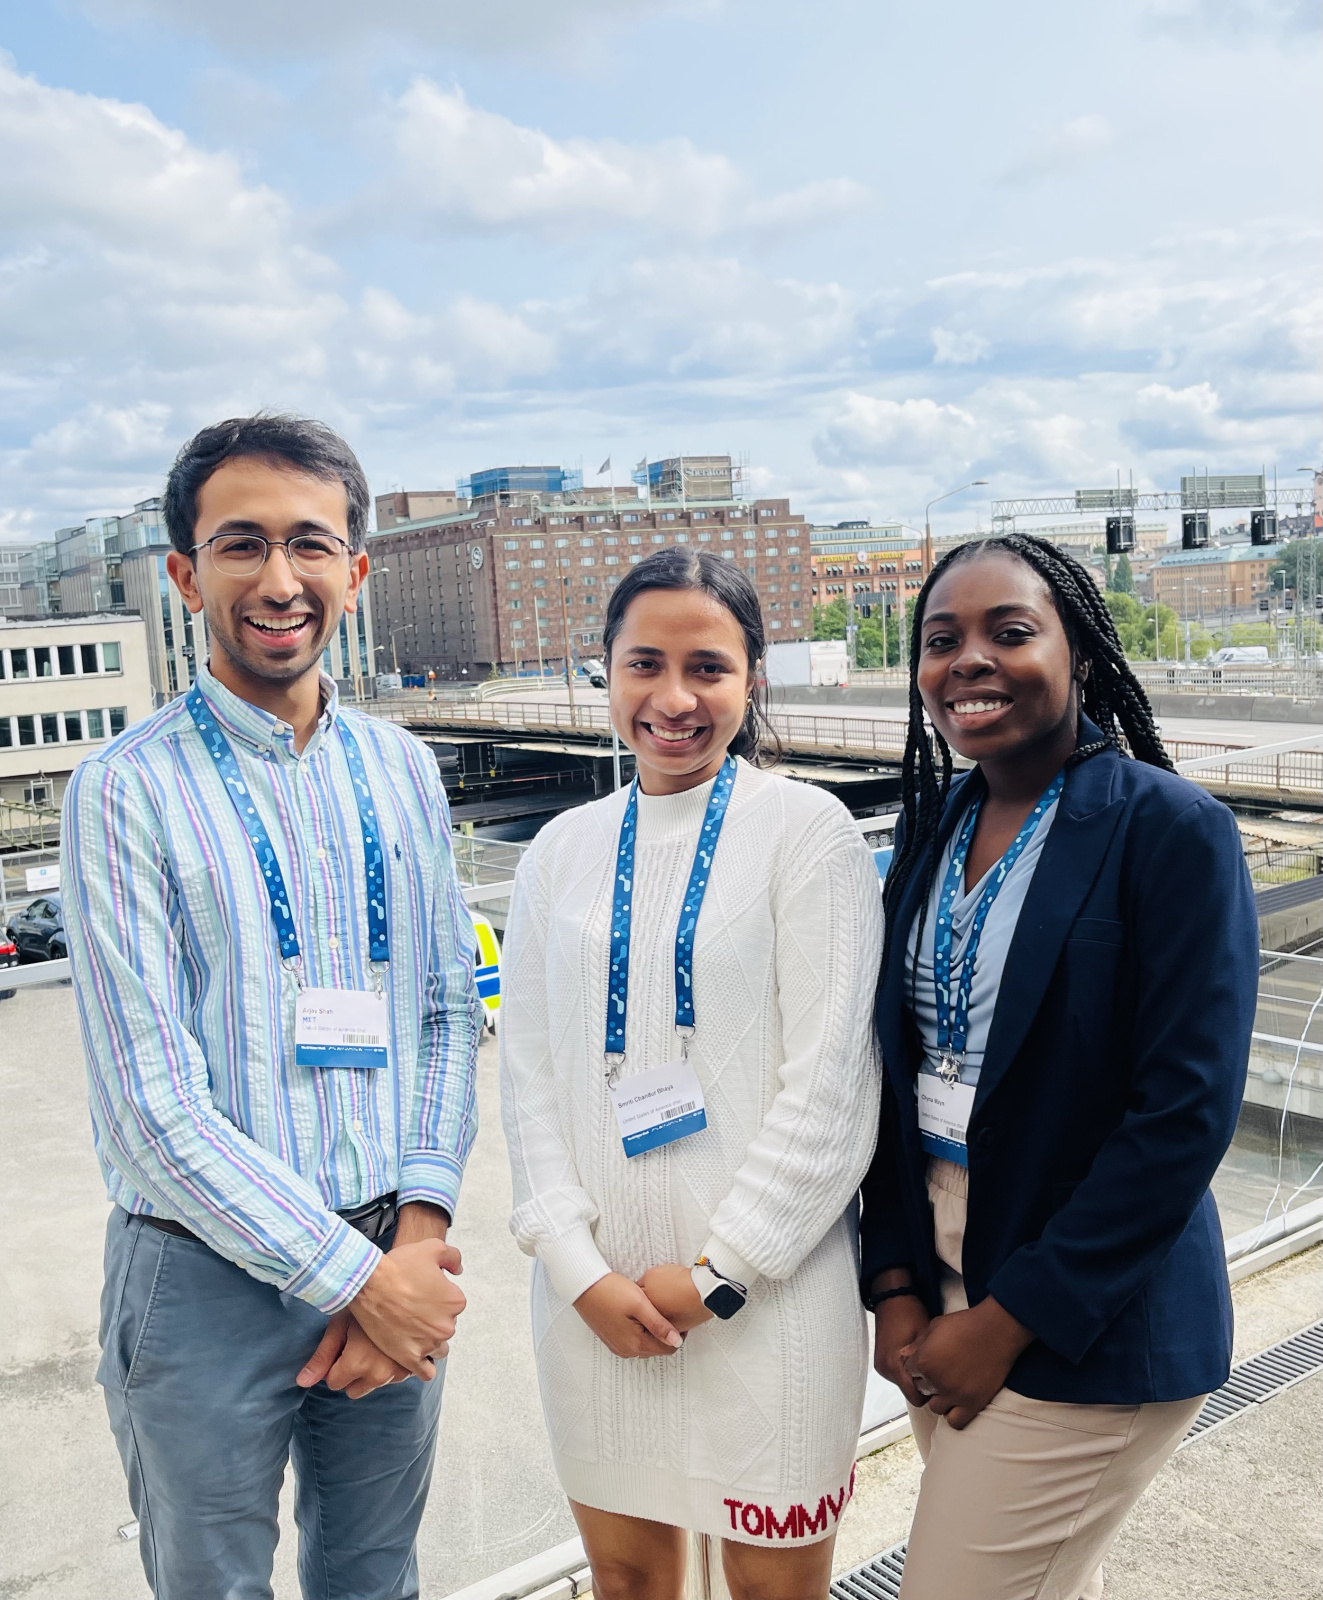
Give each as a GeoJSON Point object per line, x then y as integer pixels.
{"type": "Point", "coordinates": [880, 248]}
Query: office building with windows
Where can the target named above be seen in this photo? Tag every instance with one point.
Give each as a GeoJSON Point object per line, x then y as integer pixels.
{"type": "Point", "coordinates": [411, 505]}
{"type": "Point", "coordinates": [507, 588]}
{"type": "Point", "coordinates": [873, 565]}
{"type": "Point", "coordinates": [67, 685]}
{"type": "Point", "coordinates": [12, 558]}
{"type": "Point", "coordinates": [1202, 584]}
{"type": "Point", "coordinates": [117, 564]}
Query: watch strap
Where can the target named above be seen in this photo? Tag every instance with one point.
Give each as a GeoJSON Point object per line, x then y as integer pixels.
{"type": "Point", "coordinates": [722, 1296]}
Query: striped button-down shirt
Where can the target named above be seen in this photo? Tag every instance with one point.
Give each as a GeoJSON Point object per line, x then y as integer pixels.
{"type": "Point", "coordinates": [199, 1111]}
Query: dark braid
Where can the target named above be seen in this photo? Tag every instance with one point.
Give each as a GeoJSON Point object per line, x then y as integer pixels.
{"type": "Point", "coordinates": [1112, 698]}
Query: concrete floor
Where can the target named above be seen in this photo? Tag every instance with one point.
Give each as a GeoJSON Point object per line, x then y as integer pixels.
{"type": "Point", "coordinates": [495, 1500]}
{"type": "Point", "coordinates": [1234, 1515]}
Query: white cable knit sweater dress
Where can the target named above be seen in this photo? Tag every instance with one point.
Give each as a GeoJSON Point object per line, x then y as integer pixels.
{"type": "Point", "coordinates": [749, 1431]}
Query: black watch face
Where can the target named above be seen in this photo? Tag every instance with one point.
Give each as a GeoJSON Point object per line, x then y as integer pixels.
{"type": "Point", "coordinates": [724, 1301]}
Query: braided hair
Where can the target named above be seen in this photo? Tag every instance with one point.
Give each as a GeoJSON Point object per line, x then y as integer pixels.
{"type": "Point", "coordinates": [1112, 698]}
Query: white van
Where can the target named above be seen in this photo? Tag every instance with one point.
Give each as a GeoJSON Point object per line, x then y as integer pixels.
{"type": "Point", "coordinates": [1242, 655]}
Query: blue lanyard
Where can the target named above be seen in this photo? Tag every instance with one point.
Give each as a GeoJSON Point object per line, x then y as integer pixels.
{"type": "Point", "coordinates": [617, 995]}
{"type": "Point", "coordinates": [953, 1018]}
{"type": "Point", "coordinates": [255, 828]}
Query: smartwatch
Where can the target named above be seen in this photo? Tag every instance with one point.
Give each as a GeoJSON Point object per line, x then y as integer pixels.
{"type": "Point", "coordinates": [721, 1295]}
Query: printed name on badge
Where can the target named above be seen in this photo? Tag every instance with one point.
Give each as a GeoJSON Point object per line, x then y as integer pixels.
{"type": "Point", "coordinates": [944, 1113]}
{"type": "Point", "coordinates": [658, 1107]}
{"type": "Point", "coordinates": [341, 1028]}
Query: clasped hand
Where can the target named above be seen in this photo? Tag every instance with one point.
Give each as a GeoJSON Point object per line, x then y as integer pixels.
{"type": "Point", "coordinates": [647, 1318]}
{"type": "Point", "coordinates": [953, 1364]}
{"type": "Point", "coordinates": [401, 1321]}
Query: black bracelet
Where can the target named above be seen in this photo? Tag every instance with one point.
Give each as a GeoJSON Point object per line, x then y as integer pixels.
{"type": "Point", "coordinates": [873, 1301]}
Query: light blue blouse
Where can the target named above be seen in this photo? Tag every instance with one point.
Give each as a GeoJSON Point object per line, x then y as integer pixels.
{"type": "Point", "coordinates": [998, 931]}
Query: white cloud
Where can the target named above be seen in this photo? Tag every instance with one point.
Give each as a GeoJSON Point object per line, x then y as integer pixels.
{"type": "Point", "coordinates": [959, 348]}
{"type": "Point", "coordinates": [875, 430]}
{"type": "Point", "coordinates": [256, 29]}
{"type": "Point", "coordinates": [148, 284]}
{"type": "Point", "coordinates": [115, 231]}
{"type": "Point", "coordinates": [1061, 150]}
{"type": "Point", "coordinates": [703, 315]}
{"type": "Point", "coordinates": [475, 169]}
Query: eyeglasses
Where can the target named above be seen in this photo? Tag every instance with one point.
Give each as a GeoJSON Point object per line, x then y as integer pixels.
{"type": "Point", "coordinates": [240, 555]}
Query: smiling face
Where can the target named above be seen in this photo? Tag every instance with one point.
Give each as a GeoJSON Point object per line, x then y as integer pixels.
{"type": "Point", "coordinates": [997, 674]}
{"type": "Point", "coordinates": [271, 627]}
{"type": "Point", "coordinates": [679, 681]}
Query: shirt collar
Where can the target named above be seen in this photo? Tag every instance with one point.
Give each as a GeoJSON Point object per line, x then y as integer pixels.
{"type": "Point", "coordinates": [260, 730]}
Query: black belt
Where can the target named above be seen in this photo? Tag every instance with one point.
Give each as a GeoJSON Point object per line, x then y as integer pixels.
{"type": "Point", "coordinates": [372, 1219]}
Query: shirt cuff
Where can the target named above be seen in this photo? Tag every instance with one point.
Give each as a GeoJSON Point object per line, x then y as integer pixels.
{"type": "Point", "coordinates": [573, 1262]}
{"type": "Point", "coordinates": [729, 1263]}
{"type": "Point", "coordinates": [340, 1268]}
{"type": "Point", "coordinates": [429, 1175]}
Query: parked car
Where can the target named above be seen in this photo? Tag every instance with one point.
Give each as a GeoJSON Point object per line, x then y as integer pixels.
{"type": "Point", "coordinates": [38, 930]}
{"type": "Point", "coordinates": [8, 958]}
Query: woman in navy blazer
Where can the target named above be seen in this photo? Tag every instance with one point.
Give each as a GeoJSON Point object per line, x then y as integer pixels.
{"type": "Point", "coordinates": [1054, 1300]}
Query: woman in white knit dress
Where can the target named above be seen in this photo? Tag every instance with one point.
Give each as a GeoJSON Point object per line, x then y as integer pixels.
{"type": "Point", "coordinates": [700, 1345]}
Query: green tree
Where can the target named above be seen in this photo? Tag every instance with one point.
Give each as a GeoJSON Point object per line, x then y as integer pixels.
{"type": "Point", "coordinates": [1121, 580]}
{"type": "Point", "coordinates": [1134, 623]}
{"type": "Point", "coordinates": [829, 620]}
{"type": "Point", "coordinates": [1125, 609]}
{"type": "Point", "coordinates": [1289, 562]}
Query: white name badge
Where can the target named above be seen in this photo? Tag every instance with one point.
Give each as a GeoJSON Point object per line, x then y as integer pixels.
{"type": "Point", "coordinates": [944, 1112]}
{"type": "Point", "coordinates": [341, 1028]}
{"type": "Point", "coordinates": [658, 1107]}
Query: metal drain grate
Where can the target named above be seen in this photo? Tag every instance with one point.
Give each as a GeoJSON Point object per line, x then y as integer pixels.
{"type": "Point", "coordinates": [1250, 1384]}
{"type": "Point", "coordinates": [878, 1579]}
{"type": "Point", "coordinates": [1259, 1379]}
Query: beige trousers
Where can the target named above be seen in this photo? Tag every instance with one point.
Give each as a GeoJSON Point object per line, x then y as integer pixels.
{"type": "Point", "coordinates": [1025, 1502]}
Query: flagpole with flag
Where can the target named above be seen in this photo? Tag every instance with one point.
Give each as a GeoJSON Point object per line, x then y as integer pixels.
{"type": "Point", "coordinates": [606, 467]}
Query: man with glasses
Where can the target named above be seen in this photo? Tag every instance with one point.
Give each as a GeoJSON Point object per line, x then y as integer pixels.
{"type": "Point", "coordinates": [274, 968]}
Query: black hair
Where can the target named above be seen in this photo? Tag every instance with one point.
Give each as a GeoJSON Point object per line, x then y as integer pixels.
{"type": "Point", "coordinates": [679, 568]}
{"type": "Point", "coordinates": [1111, 697]}
{"type": "Point", "coordinates": [301, 442]}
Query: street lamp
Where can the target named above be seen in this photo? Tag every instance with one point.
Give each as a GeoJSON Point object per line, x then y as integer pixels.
{"type": "Point", "coordinates": [394, 654]}
{"type": "Point", "coordinates": [976, 483]}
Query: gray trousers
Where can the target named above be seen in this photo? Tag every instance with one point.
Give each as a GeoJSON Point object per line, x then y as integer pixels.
{"type": "Point", "coordinates": [198, 1361]}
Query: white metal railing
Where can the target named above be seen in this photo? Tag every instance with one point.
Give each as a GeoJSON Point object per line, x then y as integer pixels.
{"type": "Point", "coordinates": [480, 861]}
{"type": "Point", "coordinates": [1294, 680]}
{"type": "Point", "coordinates": [1295, 768]}
{"type": "Point", "coordinates": [30, 977]}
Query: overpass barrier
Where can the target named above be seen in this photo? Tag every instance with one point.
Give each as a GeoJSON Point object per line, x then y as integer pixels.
{"type": "Point", "coordinates": [1274, 771]}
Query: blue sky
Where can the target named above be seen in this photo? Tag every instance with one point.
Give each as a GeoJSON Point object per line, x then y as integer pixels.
{"type": "Point", "coordinates": [879, 248]}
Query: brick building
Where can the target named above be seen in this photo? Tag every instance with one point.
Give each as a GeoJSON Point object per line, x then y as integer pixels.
{"type": "Point", "coordinates": [875, 566]}
{"type": "Point", "coordinates": [410, 505]}
{"type": "Point", "coordinates": [502, 584]}
{"type": "Point", "coordinates": [1197, 583]}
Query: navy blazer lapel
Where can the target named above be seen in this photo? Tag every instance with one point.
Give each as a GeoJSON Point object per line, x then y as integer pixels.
{"type": "Point", "coordinates": [891, 997]}
{"type": "Point", "coordinates": [1081, 832]}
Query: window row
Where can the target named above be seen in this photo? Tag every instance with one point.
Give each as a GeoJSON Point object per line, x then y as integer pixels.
{"type": "Point", "coordinates": [59, 661]}
{"type": "Point", "coordinates": [750, 552]}
{"type": "Point", "coordinates": [589, 542]}
{"type": "Point", "coordinates": [63, 727]}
